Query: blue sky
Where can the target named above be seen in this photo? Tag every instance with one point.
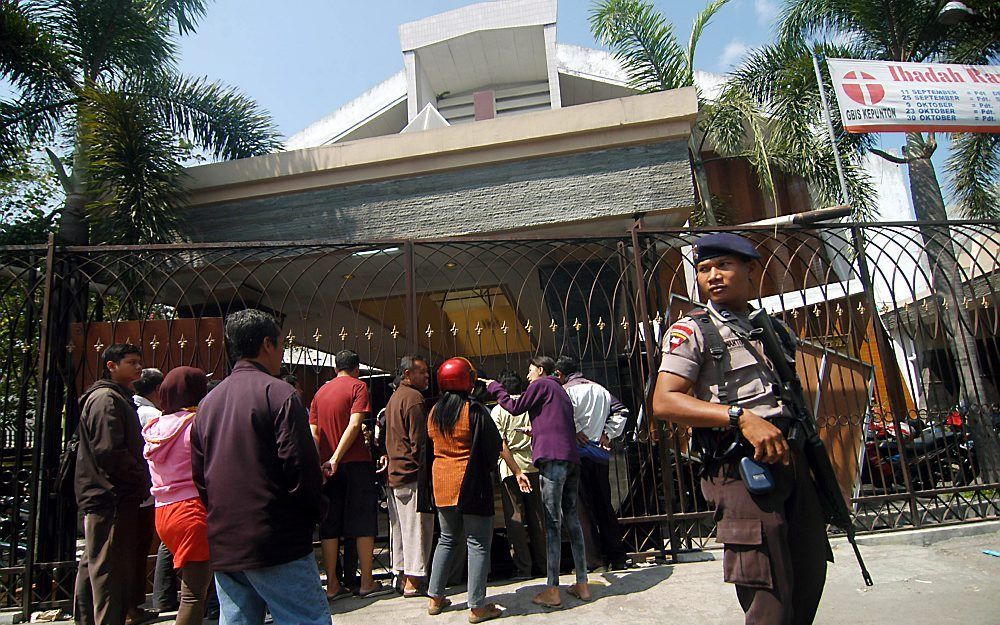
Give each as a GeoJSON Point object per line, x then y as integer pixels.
{"type": "Point", "coordinates": [303, 59]}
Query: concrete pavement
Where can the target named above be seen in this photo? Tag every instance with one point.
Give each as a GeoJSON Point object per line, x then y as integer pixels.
{"type": "Point", "coordinates": [950, 581]}
{"type": "Point", "coordinates": [939, 577]}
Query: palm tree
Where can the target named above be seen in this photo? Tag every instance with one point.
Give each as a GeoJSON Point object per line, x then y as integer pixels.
{"type": "Point", "coordinates": [96, 81]}
{"type": "Point", "coordinates": [645, 44]}
{"type": "Point", "coordinates": [777, 79]}
{"type": "Point", "coordinates": [643, 41]}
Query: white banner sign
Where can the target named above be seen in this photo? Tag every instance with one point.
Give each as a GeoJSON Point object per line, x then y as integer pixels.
{"type": "Point", "coordinates": [884, 96]}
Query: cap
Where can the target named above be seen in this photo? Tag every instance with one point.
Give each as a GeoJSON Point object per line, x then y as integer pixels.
{"type": "Point", "coordinates": [456, 375]}
{"type": "Point", "coordinates": [723, 244]}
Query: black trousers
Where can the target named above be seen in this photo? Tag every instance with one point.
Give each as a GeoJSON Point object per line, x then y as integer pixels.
{"type": "Point", "coordinates": [595, 499]}
{"type": "Point", "coordinates": [165, 582]}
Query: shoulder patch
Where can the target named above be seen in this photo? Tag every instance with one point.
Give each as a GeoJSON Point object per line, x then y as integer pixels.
{"type": "Point", "coordinates": [677, 335]}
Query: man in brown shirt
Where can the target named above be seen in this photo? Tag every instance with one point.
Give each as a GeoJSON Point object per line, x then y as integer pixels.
{"type": "Point", "coordinates": [406, 432]}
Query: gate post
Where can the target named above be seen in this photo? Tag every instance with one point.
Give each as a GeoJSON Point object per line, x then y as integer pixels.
{"type": "Point", "coordinates": [38, 483]}
{"type": "Point", "coordinates": [666, 474]}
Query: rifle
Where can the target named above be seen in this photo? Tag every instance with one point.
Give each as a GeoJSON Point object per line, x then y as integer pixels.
{"type": "Point", "coordinates": [831, 500]}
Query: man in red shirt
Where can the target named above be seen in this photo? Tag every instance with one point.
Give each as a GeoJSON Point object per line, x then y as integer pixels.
{"type": "Point", "coordinates": [335, 417]}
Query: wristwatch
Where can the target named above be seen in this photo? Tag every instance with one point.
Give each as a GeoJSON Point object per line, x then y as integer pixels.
{"type": "Point", "coordinates": [735, 412]}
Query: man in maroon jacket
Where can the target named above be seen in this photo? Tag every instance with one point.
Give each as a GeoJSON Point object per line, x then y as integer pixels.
{"type": "Point", "coordinates": [256, 468]}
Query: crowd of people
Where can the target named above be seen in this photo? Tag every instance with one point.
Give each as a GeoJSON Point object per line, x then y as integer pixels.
{"type": "Point", "coordinates": [242, 475]}
{"type": "Point", "coordinates": [236, 481]}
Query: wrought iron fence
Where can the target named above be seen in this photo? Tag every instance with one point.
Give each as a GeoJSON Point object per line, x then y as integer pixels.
{"type": "Point", "coordinates": [897, 323]}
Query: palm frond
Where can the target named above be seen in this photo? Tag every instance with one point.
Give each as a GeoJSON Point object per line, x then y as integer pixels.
{"type": "Point", "coordinates": [974, 165]}
{"type": "Point", "coordinates": [135, 172]}
{"type": "Point", "coordinates": [701, 21]}
{"type": "Point", "coordinates": [121, 37]}
{"type": "Point", "coordinates": [185, 14]}
{"type": "Point", "coordinates": [31, 59]}
{"type": "Point", "coordinates": [644, 43]}
{"type": "Point", "coordinates": [218, 118]}
{"type": "Point", "coordinates": [24, 123]}
{"type": "Point", "coordinates": [769, 113]}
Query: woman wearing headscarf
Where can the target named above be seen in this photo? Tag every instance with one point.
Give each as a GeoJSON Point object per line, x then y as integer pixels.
{"type": "Point", "coordinates": [461, 451]}
{"type": "Point", "coordinates": [180, 514]}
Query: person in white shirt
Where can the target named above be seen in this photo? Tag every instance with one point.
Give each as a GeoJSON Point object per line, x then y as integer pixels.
{"type": "Point", "coordinates": [147, 400]}
{"type": "Point", "coordinates": [599, 418]}
{"type": "Point", "coordinates": [147, 395]}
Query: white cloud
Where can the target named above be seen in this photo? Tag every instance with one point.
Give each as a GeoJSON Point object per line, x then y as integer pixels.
{"type": "Point", "coordinates": [732, 53]}
{"type": "Point", "coordinates": [766, 10]}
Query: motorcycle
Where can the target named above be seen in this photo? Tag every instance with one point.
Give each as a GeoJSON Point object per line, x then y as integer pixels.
{"type": "Point", "coordinates": [936, 455]}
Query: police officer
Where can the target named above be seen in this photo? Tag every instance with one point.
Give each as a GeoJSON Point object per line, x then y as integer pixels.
{"type": "Point", "coordinates": [714, 378]}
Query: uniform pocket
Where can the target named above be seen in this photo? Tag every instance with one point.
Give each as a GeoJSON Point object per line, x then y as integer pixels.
{"type": "Point", "coordinates": [745, 560]}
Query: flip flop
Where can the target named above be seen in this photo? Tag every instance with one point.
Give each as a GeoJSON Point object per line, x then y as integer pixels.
{"type": "Point", "coordinates": [495, 612]}
{"type": "Point", "coordinates": [576, 593]}
{"type": "Point", "coordinates": [410, 594]}
{"type": "Point", "coordinates": [377, 590]}
{"type": "Point", "coordinates": [434, 610]}
{"type": "Point", "coordinates": [340, 594]}
{"type": "Point", "coordinates": [546, 604]}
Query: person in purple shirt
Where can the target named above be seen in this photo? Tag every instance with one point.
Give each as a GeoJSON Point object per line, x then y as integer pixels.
{"type": "Point", "coordinates": [554, 452]}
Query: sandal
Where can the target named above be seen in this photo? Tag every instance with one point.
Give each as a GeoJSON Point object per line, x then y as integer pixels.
{"type": "Point", "coordinates": [434, 610]}
{"type": "Point", "coordinates": [377, 590]}
{"type": "Point", "coordinates": [337, 596]}
{"type": "Point", "coordinates": [572, 591]}
{"type": "Point", "coordinates": [546, 604]}
{"type": "Point", "coordinates": [491, 614]}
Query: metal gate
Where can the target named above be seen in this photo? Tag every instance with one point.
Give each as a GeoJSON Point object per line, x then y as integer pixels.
{"type": "Point", "coordinates": [898, 326]}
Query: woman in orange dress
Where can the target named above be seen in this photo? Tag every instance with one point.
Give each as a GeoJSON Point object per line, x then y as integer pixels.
{"type": "Point", "coordinates": [461, 451]}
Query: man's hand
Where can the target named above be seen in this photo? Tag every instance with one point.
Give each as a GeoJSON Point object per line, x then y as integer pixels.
{"type": "Point", "coordinates": [768, 442]}
{"type": "Point", "coordinates": [523, 482]}
{"type": "Point", "coordinates": [486, 381]}
{"type": "Point", "coordinates": [582, 439]}
{"type": "Point", "coordinates": [329, 467]}
{"type": "Point", "coordinates": [605, 442]}
{"type": "Point", "coordinates": [382, 465]}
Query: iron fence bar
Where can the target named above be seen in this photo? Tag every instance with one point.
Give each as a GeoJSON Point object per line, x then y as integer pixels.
{"type": "Point", "coordinates": [412, 321]}
{"type": "Point", "coordinates": [27, 592]}
{"type": "Point", "coordinates": [893, 377]}
{"type": "Point", "coordinates": [666, 474]}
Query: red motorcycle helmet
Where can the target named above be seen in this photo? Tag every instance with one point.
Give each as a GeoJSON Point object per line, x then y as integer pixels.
{"type": "Point", "coordinates": [456, 375]}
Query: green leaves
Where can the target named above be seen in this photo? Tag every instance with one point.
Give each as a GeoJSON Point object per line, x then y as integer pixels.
{"type": "Point", "coordinates": [102, 73]}
{"type": "Point", "coordinates": [217, 118]}
{"type": "Point", "coordinates": [134, 170]}
{"type": "Point", "coordinates": [644, 42]}
{"type": "Point", "coordinates": [974, 166]}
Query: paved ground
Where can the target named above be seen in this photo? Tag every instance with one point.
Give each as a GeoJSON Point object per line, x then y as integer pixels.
{"type": "Point", "coordinates": [950, 581]}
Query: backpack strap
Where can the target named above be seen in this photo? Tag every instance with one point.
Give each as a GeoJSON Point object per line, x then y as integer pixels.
{"type": "Point", "coordinates": [716, 448]}
{"type": "Point", "coordinates": [716, 349]}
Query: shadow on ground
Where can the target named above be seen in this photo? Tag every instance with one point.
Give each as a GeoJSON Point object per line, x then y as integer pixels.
{"type": "Point", "coordinates": [516, 597]}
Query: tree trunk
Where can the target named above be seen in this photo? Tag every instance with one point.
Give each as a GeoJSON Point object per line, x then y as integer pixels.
{"type": "Point", "coordinates": [946, 275]}
{"type": "Point", "coordinates": [701, 179]}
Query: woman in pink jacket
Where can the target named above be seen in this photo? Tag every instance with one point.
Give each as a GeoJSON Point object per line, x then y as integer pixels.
{"type": "Point", "coordinates": [180, 514]}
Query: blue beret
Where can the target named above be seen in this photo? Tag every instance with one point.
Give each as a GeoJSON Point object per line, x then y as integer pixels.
{"type": "Point", "coordinates": [723, 244]}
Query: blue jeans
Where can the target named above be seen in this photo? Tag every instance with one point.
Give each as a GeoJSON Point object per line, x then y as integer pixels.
{"type": "Point", "coordinates": [291, 592]}
{"type": "Point", "coordinates": [560, 481]}
{"type": "Point", "coordinates": [478, 533]}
